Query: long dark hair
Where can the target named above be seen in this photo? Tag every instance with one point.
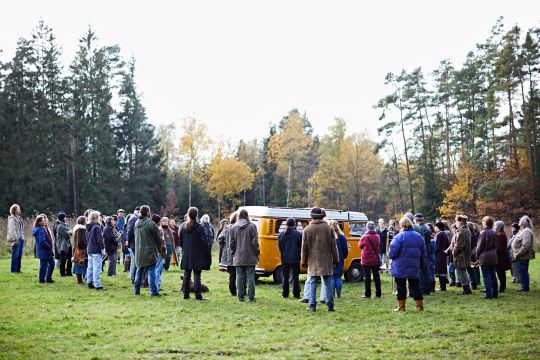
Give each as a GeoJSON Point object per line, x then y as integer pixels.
{"type": "Point", "coordinates": [192, 214]}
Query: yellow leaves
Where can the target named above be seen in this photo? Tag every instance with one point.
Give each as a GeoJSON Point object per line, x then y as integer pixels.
{"type": "Point", "coordinates": [460, 198]}
{"type": "Point", "coordinates": [194, 141]}
{"type": "Point", "coordinates": [228, 177]}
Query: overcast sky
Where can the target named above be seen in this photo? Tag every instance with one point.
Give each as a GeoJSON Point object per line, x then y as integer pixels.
{"type": "Point", "coordinates": [239, 65]}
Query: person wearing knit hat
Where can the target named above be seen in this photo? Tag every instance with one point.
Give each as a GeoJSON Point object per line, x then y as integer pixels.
{"type": "Point", "coordinates": [516, 277]}
{"type": "Point", "coordinates": [290, 246]}
{"type": "Point", "coordinates": [442, 242]}
{"type": "Point", "coordinates": [62, 234]}
{"type": "Point", "coordinates": [319, 254]}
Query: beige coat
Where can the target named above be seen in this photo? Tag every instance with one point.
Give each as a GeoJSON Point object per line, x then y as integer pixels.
{"type": "Point", "coordinates": [461, 247]}
{"type": "Point", "coordinates": [319, 250]}
{"type": "Point", "coordinates": [15, 230]}
{"type": "Point", "coordinates": [522, 246]}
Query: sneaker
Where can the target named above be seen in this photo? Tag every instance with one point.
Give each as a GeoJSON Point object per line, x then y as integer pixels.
{"type": "Point", "coordinates": [252, 300]}
{"type": "Point", "coordinates": [305, 301]}
{"type": "Point", "coordinates": [311, 308]}
{"type": "Point", "coordinates": [202, 298]}
{"type": "Point", "coordinates": [50, 281]}
{"type": "Point", "coordinates": [91, 285]}
{"type": "Point", "coordinates": [100, 288]}
{"type": "Point", "coordinates": [331, 309]}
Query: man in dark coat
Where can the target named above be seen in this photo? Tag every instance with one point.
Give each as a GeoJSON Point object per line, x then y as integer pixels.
{"type": "Point", "coordinates": [196, 254]}
{"type": "Point", "coordinates": [130, 243]}
{"type": "Point", "coordinates": [461, 251]}
{"type": "Point", "coordinates": [111, 235]}
{"type": "Point", "coordinates": [503, 260]}
{"type": "Point", "coordinates": [382, 231]}
{"type": "Point", "coordinates": [62, 234]}
{"type": "Point", "coordinates": [148, 245]}
{"type": "Point", "coordinates": [486, 253]}
{"type": "Point", "coordinates": [290, 247]}
{"type": "Point", "coordinates": [425, 283]}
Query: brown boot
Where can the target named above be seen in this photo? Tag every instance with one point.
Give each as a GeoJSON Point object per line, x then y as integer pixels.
{"type": "Point", "coordinates": [127, 264]}
{"type": "Point", "coordinates": [401, 306]}
{"type": "Point", "coordinates": [419, 305]}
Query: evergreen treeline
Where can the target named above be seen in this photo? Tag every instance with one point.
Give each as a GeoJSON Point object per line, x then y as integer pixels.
{"type": "Point", "coordinates": [459, 139]}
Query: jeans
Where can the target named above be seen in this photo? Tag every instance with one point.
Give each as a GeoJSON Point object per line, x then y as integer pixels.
{"type": "Point", "coordinates": [367, 279]}
{"type": "Point", "coordinates": [16, 256]}
{"type": "Point", "coordinates": [489, 272]}
{"type": "Point", "coordinates": [327, 283]}
{"type": "Point", "coordinates": [384, 259]}
{"type": "Point", "coordinates": [414, 285]}
{"type": "Point", "coordinates": [93, 271]}
{"type": "Point", "coordinates": [463, 277]}
{"type": "Point", "coordinates": [167, 262]}
{"type": "Point", "coordinates": [424, 280]}
{"type": "Point", "coordinates": [452, 272]}
{"type": "Point", "coordinates": [286, 268]}
{"type": "Point", "coordinates": [232, 279]}
{"type": "Point", "coordinates": [474, 275]}
{"type": "Point", "coordinates": [307, 291]}
{"type": "Point", "coordinates": [523, 268]}
{"type": "Point", "coordinates": [46, 269]}
{"type": "Point", "coordinates": [243, 274]}
{"type": "Point", "coordinates": [132, 266]}
{"type": "Point", "coordinates": [159, 271]}
{"type": "Point", "coordinates": [515, 271]}
{"type": "Point", "coordinates": [196, 283]}
{"type": "Point", "coordinates": [65, 262]}
{"type": "Point", "coordinates": [112, 265]}
{"type": "Point", "coordinates": [151, 270]}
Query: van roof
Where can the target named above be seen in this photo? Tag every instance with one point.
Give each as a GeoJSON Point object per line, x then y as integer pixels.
{"type": "Point", "coordinates": [284, 213]}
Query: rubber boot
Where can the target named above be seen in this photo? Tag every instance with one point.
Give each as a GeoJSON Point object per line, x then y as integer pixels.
{"type": "Point", "coordinates": [419, 305]}
{"type": "Point", "coordinates": [466, 290]}
{"type": "Point", "coordinates": [338, 291]}
{"type": "Point", "coordinates": [401, 306]}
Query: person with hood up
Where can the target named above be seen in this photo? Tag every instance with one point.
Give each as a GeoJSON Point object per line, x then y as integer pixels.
{"type": "Point", "coordinates": [95, 249]}
{"type": "Point", "coordinates": [290, 247]}
{"type": "Point", "coordinates": [244, 243]}
{"type": "Point", "coordinates": [44, 249]}
{"type": "Point", "coordinates": [148, 246]}
{"type": "Point", "coordinates": [196, 255]}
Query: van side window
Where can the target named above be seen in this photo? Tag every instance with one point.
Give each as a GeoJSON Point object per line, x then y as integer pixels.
{"type": "Point", "coordinates": [282, 224]}
{"type": "Point", "coordinates": [357, 230]}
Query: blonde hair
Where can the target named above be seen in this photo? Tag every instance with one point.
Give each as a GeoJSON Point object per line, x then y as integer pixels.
{"type": "Point", "coordinates": [12, 209]}
{"type": "Point", "coordinates": [405, 223]}
{"type": "Point", "coordinates": [94, 217]}
{"type": "Point", "coordinates": [335, 226]}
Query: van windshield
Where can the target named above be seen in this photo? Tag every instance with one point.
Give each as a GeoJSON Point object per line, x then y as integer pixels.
{"type": "Point", "coordinates": [357, 230]}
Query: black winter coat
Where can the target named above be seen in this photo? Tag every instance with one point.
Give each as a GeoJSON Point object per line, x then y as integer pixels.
{"type": "Point", "coordinates": [111, 243]}
{"type": "Point", "coordinates": [196, 254]}
{"type": "Point", "coordinates": [131, 232]}
{"type": "Point", "coordinates": [290, 246]}
{"type": "Point", "coordinates": [383, 236]}
{"type": "Point", "coordinates": [94, 238]}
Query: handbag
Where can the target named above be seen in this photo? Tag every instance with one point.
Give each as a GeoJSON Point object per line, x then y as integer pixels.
{"type": "Point", "coordinates": [78, 256]}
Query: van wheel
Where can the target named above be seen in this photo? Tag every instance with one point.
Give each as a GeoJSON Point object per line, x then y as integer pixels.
{"type": "Point", "coordinates": [355, 273]}
{"type": "Point", "coordinates": [278, 276]}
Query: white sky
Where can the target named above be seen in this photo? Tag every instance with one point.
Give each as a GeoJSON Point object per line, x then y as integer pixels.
{"type": "Point", "coordinates": [239, 65]}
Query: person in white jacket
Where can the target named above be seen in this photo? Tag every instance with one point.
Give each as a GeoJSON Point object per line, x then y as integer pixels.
{"type": "Point", "coordinates": [15, 237]}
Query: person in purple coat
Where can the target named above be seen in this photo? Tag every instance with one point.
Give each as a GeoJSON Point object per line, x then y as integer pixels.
{"type": "Point", "coordinates": [409, 255]}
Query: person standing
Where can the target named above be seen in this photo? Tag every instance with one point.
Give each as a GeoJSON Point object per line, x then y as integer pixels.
{"type": "Point", "coordinates": [224, 240]}
{"type": "Point", "coordinates": [370, 259]}
{"type": "Point", "coordinates": [80, 245]}
{"type": "Point", "coordinates": [474, 270]}
{"type": "Point", "coordinates": [523, 251]}
{"type": "Point", "coordinates": [343, 252]}
{"type": "Point", "coordinates": [111, 237]}
{"type": "Point", "coordinates": [514, 264]}
{"type": "Point", "coordinates": [244, 243]}
{"type": "Point", "coordinates": [441, 244]}
{"type": "Point", "coordinates": [425, 283]}
{"type": "Point", "coordinates": [503, 261]}
{"type": "Point", "coordinates": [95, 249]}
{"type": "Point", "coordinates": [290, 247]}
{"type": "Point", "coordinates": [15, 237]}
{"type": "Point", "coordinates": [208, 228]}
{"type": "Point", "coordinates": [161, 255]}
{"type": "Point", "coordinates": [148, 246]}
{"type": "Point", "coordinates": [121, 226]}
{"type": "Point", "coordinates": [461, 251]}
{"type": "Point", "coordinates": [62, 234]}
{"type": "Point", "coordinates": [486, 253]}
{"type": "Point", "coordinates": [382, 231]}
{"type": "Point", "coordinates": [319, 254]}
{"type": "Point", "coordinates": [169, 241]}
{"type": "Point", "coordinates": [44, 249]}
{"type": "Point", "coordinates": [196, 253]}
{"type": "Point", "coordinates": [130, 242]}
{"type": "Point", "coordinates": [409, 255]}
{"type": "Point", "coordinates": [222, 225]}
{"type": "Point", "coordinates": [177, 249]}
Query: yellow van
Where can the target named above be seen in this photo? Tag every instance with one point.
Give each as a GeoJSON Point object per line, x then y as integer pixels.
{"type": "Point", "coordinates": [271, 221]}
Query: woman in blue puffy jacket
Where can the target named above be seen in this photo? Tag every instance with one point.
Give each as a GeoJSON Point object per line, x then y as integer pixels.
{"type": "Point", "coordinates": [44, 249]}
{"type": "Point", "coordinates": [408, 254]}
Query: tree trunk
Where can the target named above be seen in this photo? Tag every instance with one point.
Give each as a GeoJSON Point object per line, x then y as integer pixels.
{"type": "Point", "coordinates": [513, 131]}
{"type": "Point", "coordinates": [289, 182]}
{"type": "Point", "coordinates": [406, 156]}
{"type": "Point", "coordinates": [190, 181]}
{"type": "Point", "coordinates": [447, 140]}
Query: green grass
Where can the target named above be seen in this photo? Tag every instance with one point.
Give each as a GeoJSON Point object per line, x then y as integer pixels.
{"type": "Point", "coordinates": [64, 320]}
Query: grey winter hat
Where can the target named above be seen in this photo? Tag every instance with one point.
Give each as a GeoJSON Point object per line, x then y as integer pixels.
{"type": "Point", "coordinates": [317, 213]}
{"type": "Point", "coordinates": [370, 226]}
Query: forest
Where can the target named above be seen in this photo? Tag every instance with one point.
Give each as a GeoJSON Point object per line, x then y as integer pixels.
{"type": "Point", "coordinates": [460, 138]}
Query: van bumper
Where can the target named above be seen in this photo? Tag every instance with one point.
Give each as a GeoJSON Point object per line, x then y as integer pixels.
{"type": "Point", "coordinates": [260, 271]}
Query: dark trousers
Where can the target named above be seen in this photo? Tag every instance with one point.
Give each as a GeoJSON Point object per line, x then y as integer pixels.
{"type": "Point", "coordinates": [424, 280]}
{"type": "Point", "coordinates": [232, 279]}
{"type": "Point", "coordinates": [46, 269]}
{"type": "Point", "coordinates": [501, 274]}
{"type": "Point", "coordinates": [368, 270]}
{"type": "Point", "coordinates": [111, 271]}
{"type": "Point", "coordinates": [286, 268]}
{"type": "Point", "coordinates": [167, 261]}
{"type": "Point", "coordinates": [196, 283]}
{"type": "Point", "coordinates": [489, 273]}
{"type": "Point", "coordinates": [523, 268]}
{"type": "Point", "coordinates": [65, 262]}
{"type": "Point", "coordinates": [16, 256]}
{"type": "Point", "coordinates": [474, 274]}
{"type": "Point", "coordinates": [414, 285]}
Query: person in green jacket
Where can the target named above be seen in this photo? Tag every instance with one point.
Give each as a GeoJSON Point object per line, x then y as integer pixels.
{"type": "Point", "coordinates": [147, 248]}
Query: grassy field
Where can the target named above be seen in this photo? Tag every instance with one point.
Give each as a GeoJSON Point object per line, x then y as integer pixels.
{"type": "Point", "coordinates": [70, 321]}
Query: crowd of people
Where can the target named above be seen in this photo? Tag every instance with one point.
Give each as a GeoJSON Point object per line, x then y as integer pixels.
{"type": "Point", "coordinates": [415, 253]}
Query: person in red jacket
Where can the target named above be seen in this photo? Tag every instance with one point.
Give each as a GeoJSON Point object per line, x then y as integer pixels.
{"type": "Point", "coordinates": [370, 259]}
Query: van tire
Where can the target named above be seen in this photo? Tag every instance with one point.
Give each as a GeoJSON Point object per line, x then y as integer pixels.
{"type": "Point", "coordinates": [355, 273]}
